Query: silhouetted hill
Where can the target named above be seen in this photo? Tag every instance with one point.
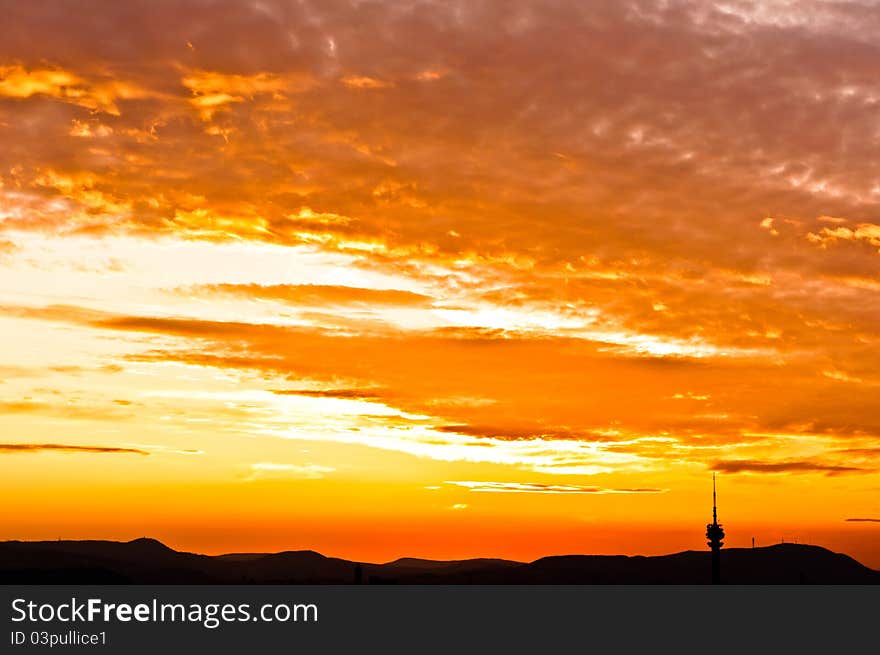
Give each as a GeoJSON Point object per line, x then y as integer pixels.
{"type": "Point", "coordinates": [81, 562]}
{"type": "Point", "coordinates": [147, 561]}
{"type": "Point", "coordinates": [780, 564]}
{"type": "Point", "coordinates": [298, 567]}
{"type": "Point", "coordinates": [413, 565]}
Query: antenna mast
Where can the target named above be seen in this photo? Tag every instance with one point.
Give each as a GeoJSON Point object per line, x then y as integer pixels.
{"type": "Point", "coordinates": [714, 504]}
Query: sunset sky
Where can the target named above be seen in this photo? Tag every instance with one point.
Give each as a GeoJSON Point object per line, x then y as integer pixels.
{"type": "Point", "coordinates": [440, 279]}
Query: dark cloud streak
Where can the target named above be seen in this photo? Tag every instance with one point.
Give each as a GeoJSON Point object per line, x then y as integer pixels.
{"type": "Point", "coordinates": [752, 466]}
{"type": "Point", "coordinates": [66, 448]}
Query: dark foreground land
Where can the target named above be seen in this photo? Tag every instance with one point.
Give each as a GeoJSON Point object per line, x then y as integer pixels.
{"type": "Point", "coordinates": [147, 561]}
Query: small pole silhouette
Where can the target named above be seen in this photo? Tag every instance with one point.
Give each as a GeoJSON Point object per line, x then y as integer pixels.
{"type": "Point", "coordinates": [715, 537]}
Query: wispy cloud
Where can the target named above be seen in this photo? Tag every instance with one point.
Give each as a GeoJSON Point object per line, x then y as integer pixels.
{"type": "Point", "coordinates": [753, 466]}
{"type": "Point", "coordinates": [156, 448]}
{"type": "Point", "coordinates": [66, 448]}
{"type": "Point", "coordinates": [541, 488]}
{"type": "Point", "coordinates": [351, 394]}
{"type": "Point", "coordinates": [274, 470]}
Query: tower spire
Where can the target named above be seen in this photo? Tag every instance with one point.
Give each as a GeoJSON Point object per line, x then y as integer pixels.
{"type": "Point", "coordinates": [715, 537]}
{"type": "Point", "coordinates": [714, 504]}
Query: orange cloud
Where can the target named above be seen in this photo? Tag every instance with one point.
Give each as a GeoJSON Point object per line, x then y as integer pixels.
{"type": "Point", "coordinates": [867, 232]}
{"type": "Point", "coordinates": [213, 90]}
{"type": "Point", "coordinates": [364, 82]}
{"type": "Point", "coordinates": [16, 81]}
{"type": "Point", "coordinates": [317, 294]}
{"type": "Point", "coordinates": [538, 488]}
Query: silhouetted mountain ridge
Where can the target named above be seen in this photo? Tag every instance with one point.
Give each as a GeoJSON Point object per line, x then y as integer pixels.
{"type": "Point", "coordinates": [148, 561]}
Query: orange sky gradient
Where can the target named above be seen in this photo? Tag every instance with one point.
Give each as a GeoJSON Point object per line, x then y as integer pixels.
{"type": "Point", "coordinates": [440, 279]}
